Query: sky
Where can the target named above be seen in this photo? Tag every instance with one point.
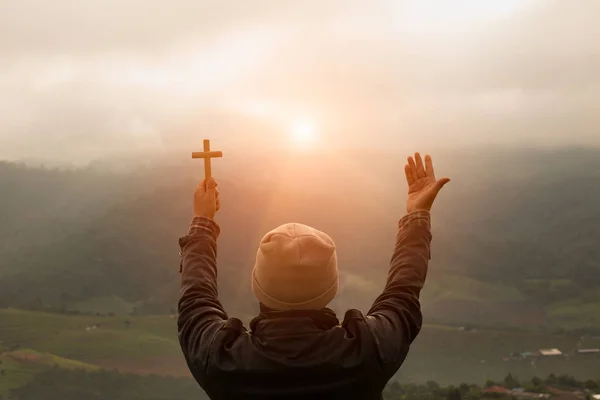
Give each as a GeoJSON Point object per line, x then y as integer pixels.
{"type": "Point", "coordinates": [82, 80]}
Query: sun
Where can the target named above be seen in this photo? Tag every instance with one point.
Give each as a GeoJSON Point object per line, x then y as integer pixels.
{"type": "Point", "coordinates": [303, 133]}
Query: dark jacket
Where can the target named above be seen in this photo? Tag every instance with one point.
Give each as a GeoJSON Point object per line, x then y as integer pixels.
{"type": "Point", "coordinates": [300, 354]}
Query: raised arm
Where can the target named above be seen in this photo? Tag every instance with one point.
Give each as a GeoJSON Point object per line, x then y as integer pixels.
{"type": "Point", "coordinates": [395, 318]}
{"type": "Point", "coordinates": [201, 314]}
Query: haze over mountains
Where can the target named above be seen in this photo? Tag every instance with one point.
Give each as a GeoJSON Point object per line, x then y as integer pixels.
{"type": "Point", "coordinates": [81, 82]}
{"type": "Point", "coordinates": [515, 233]}
{"type": "Point", "coordinates": [315, 104]}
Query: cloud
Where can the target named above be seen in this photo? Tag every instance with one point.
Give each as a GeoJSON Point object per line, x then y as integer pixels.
{"type": "Point", "coordinates": [81, 80]}
{"type": "Point", "coordinates": [83, 27]}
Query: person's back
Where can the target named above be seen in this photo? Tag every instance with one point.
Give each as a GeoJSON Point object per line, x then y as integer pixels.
{"type": "Point", "coordinates": [289, 355]}
{"type": "Point", "coordinates": [297, 348]}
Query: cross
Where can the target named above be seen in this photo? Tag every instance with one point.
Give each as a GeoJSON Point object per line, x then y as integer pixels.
{"type": "Point", "coordinates": [207, 155]}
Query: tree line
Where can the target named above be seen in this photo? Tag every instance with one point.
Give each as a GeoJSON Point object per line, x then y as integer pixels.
{"type": "Point", "coordinates": [63, 384]}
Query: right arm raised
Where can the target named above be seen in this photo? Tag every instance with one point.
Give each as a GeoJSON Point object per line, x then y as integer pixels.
{"type": "Point", "coordinates": [395, 318]}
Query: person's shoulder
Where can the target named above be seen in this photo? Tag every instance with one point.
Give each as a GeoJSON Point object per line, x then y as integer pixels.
{"type": "Point", "coordinates": [353, 315]}
{"type": "Point", "coordinates": [356, 327]}
{"type": "Point", "coordinates": [233, 324]}
{"type": "Point", "coordinates": [229, 330]}
{"type": "Point", "coordinates": [354, 321]}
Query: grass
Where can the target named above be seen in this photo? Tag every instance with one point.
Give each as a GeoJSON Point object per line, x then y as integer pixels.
{"type": "Point", "coordinates": [149, 345]}
{"type": "Point", "coordinates": [451, 356]}
{"type": "Point", "coordinates": [577, 313]}
{"type": "Point", "coordinates": [20, 366]}
{"type": "Point", "coordinates": [450, 286]}
{"type": "Point", "coordinates": [442, 286]}
{"type": "Point", "coordinates": [447, 298]}
{"type": "Point", "coordinates": [103, 305]}
{"type": "Point", "coordinates": [66, 335]}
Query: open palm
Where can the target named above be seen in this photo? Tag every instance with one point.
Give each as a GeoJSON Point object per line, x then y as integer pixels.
{"type": "Point", "coordinates": [422, 185]}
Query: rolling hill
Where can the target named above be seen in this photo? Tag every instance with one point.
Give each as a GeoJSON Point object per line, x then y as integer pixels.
{"type": "Point", "coordinates": [33, 341]}
{"type": "Point", "coordinates": [516, 233]}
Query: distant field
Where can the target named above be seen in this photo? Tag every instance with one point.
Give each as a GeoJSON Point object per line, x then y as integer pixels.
{"type": "Point", "coordinates": [577, 313]}
{"type": "Point", "coordinates": [149, 345]}
{"type": "Point", "coordinates": [450, 298]}
{"type": "Point", "coordinates": [19, 366]}
{"type": "Point", "coordinates": [450, 356]}
{"type": "Point", "coordinates": [102, 305]}
{"type": "Point", "coordinates": [111, 344]}
{"type": "Point", "coordinates": [451, 286]}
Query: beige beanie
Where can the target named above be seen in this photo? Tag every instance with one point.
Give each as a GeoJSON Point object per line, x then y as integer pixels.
{"type": "Point", "coordinates": [296, 269]}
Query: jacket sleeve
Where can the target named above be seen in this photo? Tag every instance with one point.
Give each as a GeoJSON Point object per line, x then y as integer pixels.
{"type": "Point", "coordinates": [201, 315]}
{"type": "Point", "coordinates": [395, 318]}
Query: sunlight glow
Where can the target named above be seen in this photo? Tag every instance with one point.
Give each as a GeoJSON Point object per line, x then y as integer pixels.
{"type": "Point", "coordinates": [426, 15]}
{"type": "Point", "coordinates": [303, 133]}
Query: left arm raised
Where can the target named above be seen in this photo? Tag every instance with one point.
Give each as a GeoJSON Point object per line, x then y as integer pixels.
{"type": "Point", "coordinates": [201, 314]}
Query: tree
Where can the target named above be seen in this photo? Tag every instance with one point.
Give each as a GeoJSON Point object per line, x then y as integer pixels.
{"type": "Point", "coordinates": [511, 382]}
{"type": "Point", "coordinates": [590, 384]}
{"type": "Point", "coordinates": [432, 386]}
{"type": "Point", "coordinates": [551, 380]}
{"type": "Point", "coordinates": [567, 381]}
{"type": "Point", "coordinates": [537, 385]}
{"type": "Point", "coordinates": [454, 394]}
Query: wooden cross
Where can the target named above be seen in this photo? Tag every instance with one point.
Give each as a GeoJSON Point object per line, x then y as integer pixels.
{"type": "Point", "coordinates": [207, 155]}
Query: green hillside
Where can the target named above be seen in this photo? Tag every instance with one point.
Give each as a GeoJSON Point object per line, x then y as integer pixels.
{"type": "Point", "coordinates": [515, 235]}
{"type": "Point", "coordinates": [112, 342]}
{"type": "Point", "coordinates": [60, 383]}
{"type": "Point", "coordinates": [18, 367]}
{"type": "Point", "coordinates": [148, 345]}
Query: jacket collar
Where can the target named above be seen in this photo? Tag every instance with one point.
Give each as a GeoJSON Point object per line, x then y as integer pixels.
{"type": "Point", "coordinates": [272, 322]}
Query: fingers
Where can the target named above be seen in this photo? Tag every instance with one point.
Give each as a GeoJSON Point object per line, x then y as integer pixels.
{"type": "Point", "coordinates": [420, 167]}
{"type": "Point", "coordinates": [206, 198]}
{"type": "Point", "coordinates": [216, 191]}
{"type": "Point", "coordinates": [409, 178]}
{"type": "Point", "coordinates": [413, 168]}
{"type": "Point", "coordinates": [210, 183]}
{"type": "Point", "coordinates": [439, 184]}
{"type": "Point", "coordinates": [429, 167]}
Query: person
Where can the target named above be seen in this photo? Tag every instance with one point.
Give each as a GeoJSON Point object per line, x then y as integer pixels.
{"type": "Point", "coordinates": [296, 348]}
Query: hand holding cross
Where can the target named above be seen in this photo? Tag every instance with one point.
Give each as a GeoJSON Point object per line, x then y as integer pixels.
{"type": "Point", "coordinates": [207, 155]}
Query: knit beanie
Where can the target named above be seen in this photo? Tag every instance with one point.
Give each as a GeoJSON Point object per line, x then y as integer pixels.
{"type": "Point", "coordinates": [295, 269]}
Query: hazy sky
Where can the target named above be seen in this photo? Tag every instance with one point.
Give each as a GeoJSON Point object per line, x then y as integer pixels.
{"type": "Point", "coordinates": [87, 79]}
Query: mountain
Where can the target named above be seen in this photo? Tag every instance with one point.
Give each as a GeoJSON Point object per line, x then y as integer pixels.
{"type": "Point", "coordinates": [515, 243]}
